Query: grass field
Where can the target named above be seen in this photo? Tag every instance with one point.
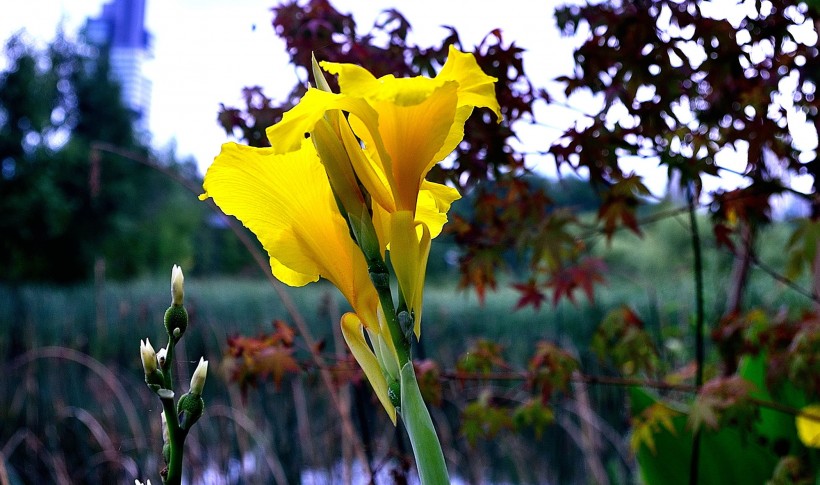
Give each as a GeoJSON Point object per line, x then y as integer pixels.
{"type": "Point", "coordinates": [74, 409]}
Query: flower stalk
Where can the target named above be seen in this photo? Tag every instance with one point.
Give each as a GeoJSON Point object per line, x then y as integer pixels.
{"type": "Point", "coordinates": [179, 416]}
{"type": "Point", "coordinates": [334, 204]}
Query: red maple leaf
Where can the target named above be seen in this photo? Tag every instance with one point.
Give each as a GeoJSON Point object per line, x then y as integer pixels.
{"type": "Point", "coordinates": [530, 295]}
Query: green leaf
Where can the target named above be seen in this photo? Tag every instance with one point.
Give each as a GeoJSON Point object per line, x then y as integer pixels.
{"type": "Point", "coordinates": [533, 415]}
{"type": "Point", "coordinates": [725, 456]}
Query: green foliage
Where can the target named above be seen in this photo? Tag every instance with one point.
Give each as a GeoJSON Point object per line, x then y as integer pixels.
{"type": "Point", "coordinates": [802, 246]}
{"type": "Point", "coordinates": [482, 358]}
{"type": "Point", "coordinates": [726, 456]}
{"type": "Point", "coordinates": [481, 420]}
{"type": "Point", "coordinates": [622, 339]}
{"type": "Point", "coordinates": [68, 203]}
{"type": "Point", "coordinates": [533, 415]}
{"type": "Point", "coordinates": [742, 442]}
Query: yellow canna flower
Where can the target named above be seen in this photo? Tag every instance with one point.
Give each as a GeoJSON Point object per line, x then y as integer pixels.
{"type": "Point", "coordinates": [395, 131]}
{"type": "Point", "coordinates": [407, 125]}
{"type": "Point", "coordinates": [286, 201]}
{"type": "Point", "coordinates": [403, 127]}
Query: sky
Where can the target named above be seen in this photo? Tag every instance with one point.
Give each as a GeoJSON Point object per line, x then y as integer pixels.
{"type": "Point", "coordinates": [206, 51]}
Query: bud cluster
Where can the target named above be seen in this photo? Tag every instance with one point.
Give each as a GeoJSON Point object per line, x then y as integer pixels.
{"type": "Point", "coordinates": [177, 418]}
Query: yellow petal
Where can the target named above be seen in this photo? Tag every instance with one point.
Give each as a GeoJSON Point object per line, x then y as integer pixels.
{"type": "Point", "coordinates": [420, 121]}
{"type": "Point", "coordinates": [454, 136]}
{"type": "Point", "coordinates": [413, 135]}
{"type": "Point", "coordinates": [431, 210]}
{"type": "Point", "coordinates": [433, 204]}
{"type": "Point", "coordinates": [337, 164]}
{"type": "Point", "coordinates": [424, 254]}
{"type": "Point", "coordinates": [381, 222]}
{"type": "Point", "coordinates": [371, 174]}
{"type": "Point", "coordinates": [353, 80]}
{"type": "Point", "coordinates": [404, 252]}
{"type": "Point", "coordinates": [409, 250]}
{"type": "Point", "coordinates": [808, 429]}
{"type": "Point", "coordinates": [352, 330]}
{"type": "Point", "coordinates": [358, 82]}
{"type": "Point", "coordinates": [289, 133]}
{"type": "Point", "coordinates": [475, 88]}
{"type": "Point", "coordinates": [286, 201]}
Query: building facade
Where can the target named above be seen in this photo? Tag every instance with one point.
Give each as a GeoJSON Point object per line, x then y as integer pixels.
{"type": "Point", "coordinates": [121, 27]}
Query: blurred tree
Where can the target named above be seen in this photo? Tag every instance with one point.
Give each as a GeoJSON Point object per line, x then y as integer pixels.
{"type": "Point", "coordinates": [64, 205]}
{"type": "Point", "coordinates": [680, 84]}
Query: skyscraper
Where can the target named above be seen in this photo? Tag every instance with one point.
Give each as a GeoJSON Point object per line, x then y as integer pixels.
{"type": "Point", "coordinates": [121, 27]}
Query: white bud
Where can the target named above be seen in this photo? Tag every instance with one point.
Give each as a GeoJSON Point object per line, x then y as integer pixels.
{"type": "Point", "coordinates": [137, 482]}
{"type": "Point", "coordinates": [177, 286]}
{"type": "Point", "coordinates": [149, 357]}
{"type": "Point", "coordinates": [198, 379]}
{"type": "Point", "coordinates": [161, 356]}
{"type": "Point", "coordinates": [165, 436]}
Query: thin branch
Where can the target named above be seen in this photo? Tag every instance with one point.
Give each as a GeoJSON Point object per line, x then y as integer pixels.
{"type": "Point", "coordinates": [700, 357]}
{"type": "Point", "coordinates": [780, 278]}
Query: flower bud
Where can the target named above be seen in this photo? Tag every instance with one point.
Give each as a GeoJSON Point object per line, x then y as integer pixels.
{"type": "Point", "coordinates": [190, 407]}
{"type": "Point", "coordinates": [165, 436]}
{"type": "Point", "coordinates": [198, 379]}
{"type": "Point", "coordinates": [176, 321]}
{"type": "Point", "coordinates": [149, 357]}
{"type": "Point", "coordinates": [177, 286]}
{"type": "Point", "coordinates": [161, 356]}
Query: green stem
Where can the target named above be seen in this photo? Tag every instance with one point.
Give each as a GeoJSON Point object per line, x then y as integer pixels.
{"type": "Point", "coordinates": [694, 462]}
{"type": "Point", "coordinates": [380, 277]}
{"type": "Point", "coordinates": [368, 242]}
{"type": "Point", "coordinates": [167, 375]}
{"type": "Point", "coordinates": [176, 435]}
{"type": "Point", "coordinates": [176, 441]}
{"type": "Point", "coordinates": [423, 438]}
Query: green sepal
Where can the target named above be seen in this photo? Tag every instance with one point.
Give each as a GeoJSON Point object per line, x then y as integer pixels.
{"type": "Point", "coordinates": [154, 380]}
{"type": "Point", "coordinates": [406, 322]}
{"type": "Point", "coordinates": [318, 76]}
{"type": "Point", "coordinates": [176, 317]}
{"type": "Point", "coordinates": [189, 407]}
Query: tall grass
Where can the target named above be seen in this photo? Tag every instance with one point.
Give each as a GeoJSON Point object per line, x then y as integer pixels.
{"type": "Point", "coordinates": [74, 409]}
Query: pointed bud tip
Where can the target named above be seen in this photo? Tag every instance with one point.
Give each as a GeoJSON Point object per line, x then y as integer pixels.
{"type": "Point", "coordinates": [177, 286]}
{"type": "Point", "coordinates": [148, 356]}
{"type": "Point", "coordinates": [198, 379]}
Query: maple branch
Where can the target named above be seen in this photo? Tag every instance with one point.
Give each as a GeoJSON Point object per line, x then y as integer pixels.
{"type": "Point", "coordinates": [522, 376]}
{"type": "Point", "coordinates": [781, 278]}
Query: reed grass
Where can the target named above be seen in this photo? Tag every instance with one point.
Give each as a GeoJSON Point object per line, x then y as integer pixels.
{"type": "Point", "coordinates": [74, 408]}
